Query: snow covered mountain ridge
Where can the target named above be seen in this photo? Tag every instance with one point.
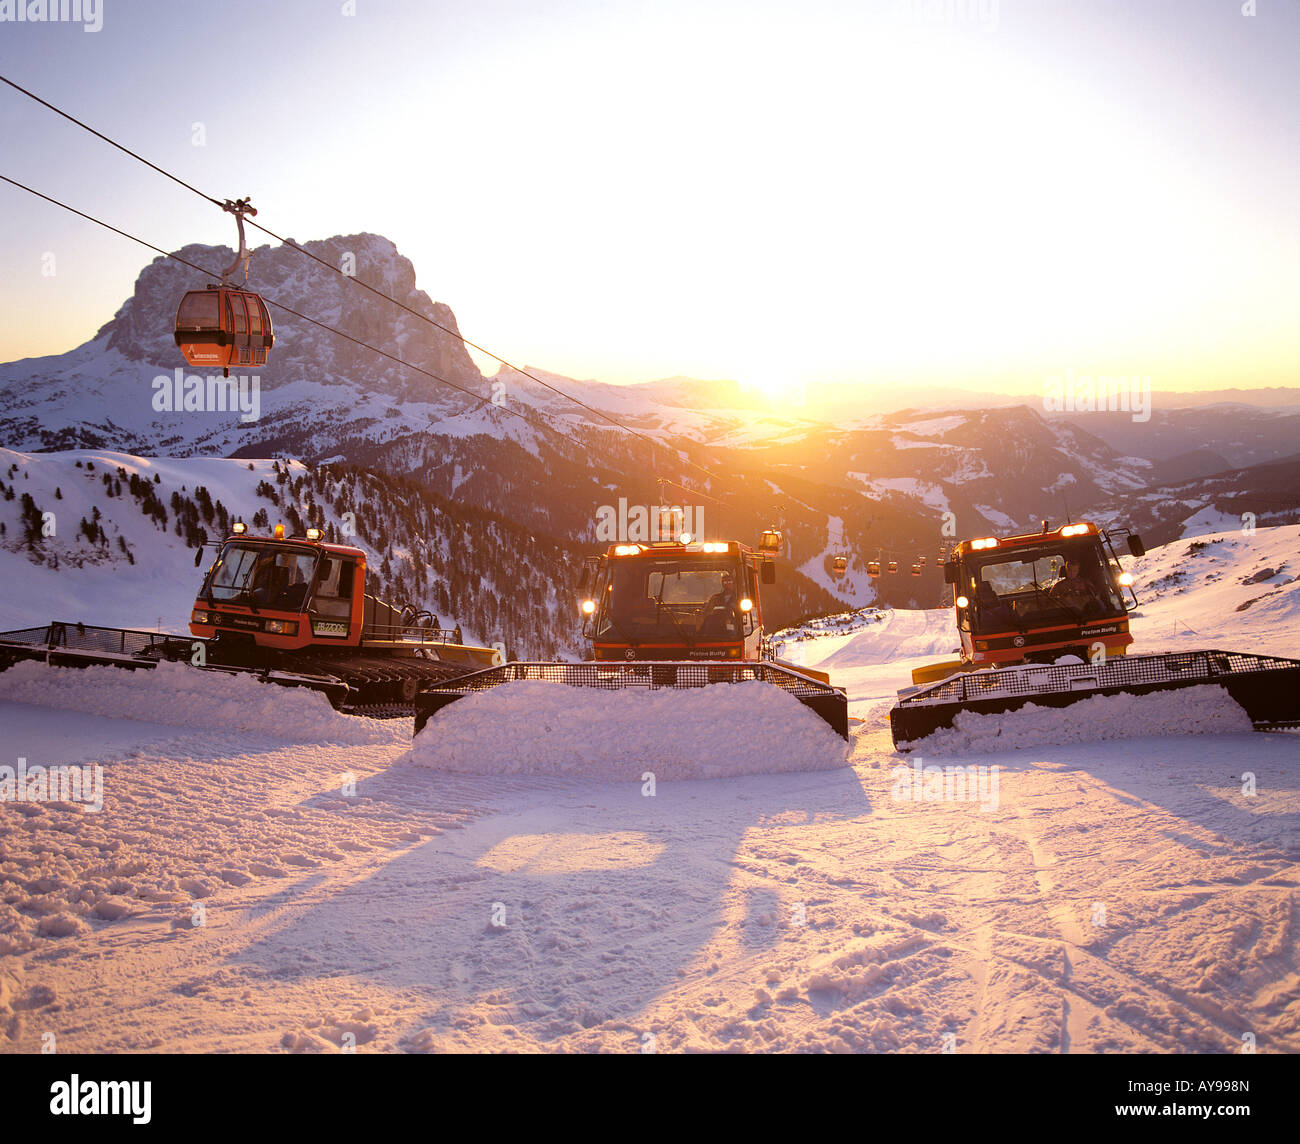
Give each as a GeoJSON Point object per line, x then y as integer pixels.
{"type": "Point", "coordinates": [110, 539]}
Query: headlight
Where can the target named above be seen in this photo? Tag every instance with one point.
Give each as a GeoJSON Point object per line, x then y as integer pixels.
{"type": "Point", "coordinates": [1126, 578]}
{"type": "Point", "coordinates": [963, 602]}
{"type": "Point", "coordinates": [198, 616]}
{"type": "Point", "coordinates": [282, 627]}
{"type": "Point", "coordinates": [746, 604]}
{"type": "Point", "coordinates": [588, 607]}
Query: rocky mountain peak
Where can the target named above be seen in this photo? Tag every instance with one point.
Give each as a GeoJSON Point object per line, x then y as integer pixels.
{"type": "Point", "coordinates": [141, 330]}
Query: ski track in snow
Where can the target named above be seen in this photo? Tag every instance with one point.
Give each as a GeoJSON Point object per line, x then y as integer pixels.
{"type": "Point", "coordinates": [1125, 896]}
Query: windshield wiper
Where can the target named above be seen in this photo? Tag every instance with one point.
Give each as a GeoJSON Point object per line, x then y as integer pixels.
{"type": "Point", "coordinates": [243, 590]}
{"type": "Point", "coordinates": [613, 623]}
{"type": "Point", "coordinates": [659, 600]}
{"type": "Point", "coordinates": [1058, 603]}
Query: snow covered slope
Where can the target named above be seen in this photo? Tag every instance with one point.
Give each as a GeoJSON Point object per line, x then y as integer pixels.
{"type": "Point", "coordinates": [871, 652]}
{"type": "Point", "coordinates": [64, 576]}
{"type": "Point", "coordinates": [1234, 590]}
{"type": "Point", "coordinates": [109, 538]}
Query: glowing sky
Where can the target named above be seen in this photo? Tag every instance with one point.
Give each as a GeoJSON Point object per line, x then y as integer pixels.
{"type": "Point", "coordinates": [947, 192]}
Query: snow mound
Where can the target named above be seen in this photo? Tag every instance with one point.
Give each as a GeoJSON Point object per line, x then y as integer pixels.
{"type": "Point", "coordinates": [536, 727]}
{"type": "Point", "coordinates": [175, 695]}
{"type": "Point", "coordinates": [1203, 710]}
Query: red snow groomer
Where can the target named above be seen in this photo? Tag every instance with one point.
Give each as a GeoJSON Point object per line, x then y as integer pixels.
{"type": "Point", "coordinates": [677, 612]}
{"type": "Point", "coordinates": [1043, 619]}
{"type": "Point", "coordinates": [676, 600]}
{"type": "Point", "coordinates": [291, 610]}
{"type": "Point", "coordinates": [1035, 597]}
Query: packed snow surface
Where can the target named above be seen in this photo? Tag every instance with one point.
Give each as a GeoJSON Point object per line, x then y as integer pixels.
{"type": "Point", "coordinates": [1204, 710]}
{"type": "Point", "coordinates": [537, 727]}
{"type": "Point", "coordinates": [256, 881]}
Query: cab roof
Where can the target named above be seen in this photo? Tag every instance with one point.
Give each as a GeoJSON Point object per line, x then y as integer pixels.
{"type": "Point", "coordinates": [677, 548]}
{"type": "Point", "coordinates": [1028, 539]}
{"type": "Point", "coordinates": [296, 542]}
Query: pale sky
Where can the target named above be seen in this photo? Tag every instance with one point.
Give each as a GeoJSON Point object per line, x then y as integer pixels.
{"type": "Point", "coordinates": [949, 192]}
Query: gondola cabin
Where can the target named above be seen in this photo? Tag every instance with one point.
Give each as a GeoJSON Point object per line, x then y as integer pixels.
{"type": "Point", "coordinates": [893, 567]}
{"type": "Point", "coordinates": [223, 327]}
{"type": "Point", "coordinates": [840, 565]}
{"type": "Point", "coordinates": [873, 568]}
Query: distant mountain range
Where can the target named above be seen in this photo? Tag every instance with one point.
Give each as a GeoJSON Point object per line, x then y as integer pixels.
{"type": "Point", "coordinates": [899, 485]}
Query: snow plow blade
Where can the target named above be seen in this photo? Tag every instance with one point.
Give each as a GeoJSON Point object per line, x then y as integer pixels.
{"type": "Point", "coordinates": [829, 703]}
{"type": "Point", "coordinates": [62, 644]}
{"type": "Point", "coordinates": [1267, 687]}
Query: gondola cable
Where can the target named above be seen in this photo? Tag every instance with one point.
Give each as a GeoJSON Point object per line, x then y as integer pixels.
{"type": "Point", "coordinates": [379, 293]}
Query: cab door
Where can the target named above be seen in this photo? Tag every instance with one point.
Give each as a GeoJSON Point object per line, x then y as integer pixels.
{"type": "Point", "coordinates": [751, 622]}
{"type": "Point", "coordinates": [333, 602]}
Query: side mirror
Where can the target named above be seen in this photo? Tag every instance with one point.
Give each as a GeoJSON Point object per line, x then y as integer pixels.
{"type": "Point", "coordinates": [198, 557]}
{"type": "Point", "coordinates": [1135, 545]}
{"type": "Point", "coordinates": [951, 572]}
{"type": "Point", "coordinates": [586, 578]}
{"type": "Point", "coordinates": [768, 573]}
